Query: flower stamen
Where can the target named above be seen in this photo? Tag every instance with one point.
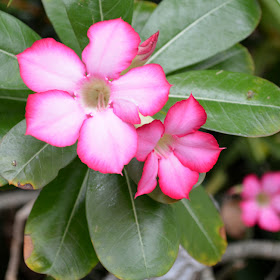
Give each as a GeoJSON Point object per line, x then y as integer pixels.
{"type": "Point", "coordinates": [95, 95]}
{"type": "Point", "coordinates": [164, 146]}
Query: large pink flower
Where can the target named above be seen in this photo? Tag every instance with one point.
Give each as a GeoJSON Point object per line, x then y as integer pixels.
{"type": "Point", "coordinates": [175, 151]}
{"type": "Point", "coordinates": [89, 100]}
{"type": "Point", "coordinates": [261, 201]}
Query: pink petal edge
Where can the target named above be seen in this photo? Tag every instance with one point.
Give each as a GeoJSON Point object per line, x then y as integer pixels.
{"type": "Point", "coordinates": [145, 86]}
{"type": "Point", "coordinates": [175, 180]}
{"type": "Point", "coordinates": [112, 47]}
{"type": "Point", "coordinates": [198, 151]}
{"type": "Point", "coordinates": [50, 65]}
{"type": "Point", "coordinates": [54, 117]}
{"type": "Point", "coordinates": [250, 212]}
{"type": "Point", "coordinates": [148, 181]}
{"type": "Point", "coordinates": [106, 143]}
{"type": "Point", "coordinates": [148, 136]}
{"type": "Point", "coordinates": [185, 117]}
{"type": "Point", "coordinates": [251, 187]}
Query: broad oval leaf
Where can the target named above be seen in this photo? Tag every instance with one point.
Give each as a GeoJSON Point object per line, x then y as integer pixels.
{"type": "Point", "coordinates": [142, 12]}
{"type": "Point", "coordinates": [29, 163]}
{"type": "Point", "coordinates": [15, 37]}
{"type": "Point", "coordinates": [57, 240]}
{"type": "Point", "coordinates": [133, 239]}
{"type": "Point", "coordinates": [193, 30]}
{"type": "Point", "coordinates": [234, 59]}
{"type": "Point", "coordinates": [235, 103]}
{"type": "Point", "coordinates": [71, 19]}
{"type": "Point", "coordinates": [202, 230]}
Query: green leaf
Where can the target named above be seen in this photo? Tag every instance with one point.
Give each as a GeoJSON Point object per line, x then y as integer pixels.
{"type": "Point", "coordinates": [71, 19]}
{"type": "Point", "coordinates": [142, 12]}
{"type": "Point", "coordinates": [134, 239]}
{"type": "Point", "coordinates": [202, 230]}
{"type": "Point", "coordinates": [193, 30]}
{"type": "Point", "coordinates": [235, 59]}
{"type": "Point", "coordinates": [57, 240]}
{"type": "Point", "coordinates": [29, 163]}
{"type": "Point", "coordinates": [12, 108]}
{"type": "Point", "coordinates": [3, 182]}
{"type": "Point", "coordinates": [15, 37]}
{"type": "Point", "coordinates": [235, 103]}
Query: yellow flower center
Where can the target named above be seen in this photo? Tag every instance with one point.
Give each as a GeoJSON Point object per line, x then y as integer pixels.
{"type": "Point", "coordinates": [263, 199]}
{"type": "Point", "coordinates": [95, 95]}
{"type": "Point", "coordinates": [164, 145]}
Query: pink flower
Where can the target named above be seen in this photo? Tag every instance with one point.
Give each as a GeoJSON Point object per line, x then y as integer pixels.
{"type": "Point", "coordinates": [175, 151]}
{"type": "Point", "coordinates": [261, 201]}
{"type": "Point", "coordinates": [89, 100]}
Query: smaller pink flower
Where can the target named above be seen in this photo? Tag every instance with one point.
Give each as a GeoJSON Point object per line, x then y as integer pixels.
{"type": "Point", "coordinates": [261, 201]}
{"type": "Point", "coordinates": [176, 151]}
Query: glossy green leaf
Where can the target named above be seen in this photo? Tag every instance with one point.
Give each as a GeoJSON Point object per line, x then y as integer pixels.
{"type": "Point", "coordinates": [15, 37]}
{"type": "Point", "coordinates": [29, 163]}
{"type": "Point", "coordinates": [71, 19]}
{"type": "Point", "coordinates": [235, 103]}
{"type": "Point", "coordinates": [142, 12]}
{"type": "Point", "coordinates": [235, 59]}
{"type": "Point", "coordinates": [12, 108]}
{"type": "Point", "coordinates": [133, 239]}
{"type": "Point", "coordinates": [193, 30]}
{"type": "Point", "coordinates": [202, 230]}
{"type": "Point", "coordinates": [57, 240]}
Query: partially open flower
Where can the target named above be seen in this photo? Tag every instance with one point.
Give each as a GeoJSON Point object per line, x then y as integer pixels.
{"type": "Point", "coordinates": [261, 201]}
{"type": "Point", "coordinates": [89, 100]}
{"type": "Point", "coordinates": [176, 151]}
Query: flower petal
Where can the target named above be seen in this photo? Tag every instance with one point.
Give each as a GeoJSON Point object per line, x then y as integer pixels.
{"type": "Point", "coordinates": [148, 181]}
{"type": "Point", "coordinates": [106, 143]}
{"type": "Point", "coordinates": [54, 117]}
{"type": "Point", "coordinates": [271, 182]}
{"type": "Point", "coordinates": [250, 212]}
{"type": "Point", "coordinates": [145, 86]}
{"type": "Point", "coordinates": [148, 136]}
{"type": "Point", "coordinates": [127, 111]}
{"type": "Point", "coordinates": [175, 180]}
{"type": "Point", "coordinates": [275, 202]}
{"type": "Point", "coordinates": [50, 65]}
{"type": "Point", "coordinates": [269, 220]}
{"type": "Point", "coordinates": [191, 115]}
{"type": "Point", "coordinates": [112, 47]}
{"type": "Point", "coordinates": [251, 186]}
{"type": "Point", "coordinates": [198, 151]}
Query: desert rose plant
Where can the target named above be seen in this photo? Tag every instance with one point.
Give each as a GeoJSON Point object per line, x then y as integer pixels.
{"type": "Point", "coordinates": [110, 118]}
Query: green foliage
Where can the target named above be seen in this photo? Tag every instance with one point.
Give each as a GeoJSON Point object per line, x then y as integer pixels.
{"type": "Point", "coordinates": [82, 209]}
{"type": "Point", "coordinates": [57, 240]}
{"type": "Point", "coordinates": [15, 37]}
{"type": "Point", "coordinates": [29, 163]}
{"type": "Point", "coordinates": [235, 103]}
{"type": "Point", "coordinates": [202, 231]}
{"type": "Point", "coordinates": [235, 59]}
{"type": "Point", "coordinates": [71, 19]}
{"type": "Point", "coordinates": [134, 239]}
{"type": "Point", "coordinates": [194, 30]}
{"type": "Point", "coordinates": [142, 12]}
